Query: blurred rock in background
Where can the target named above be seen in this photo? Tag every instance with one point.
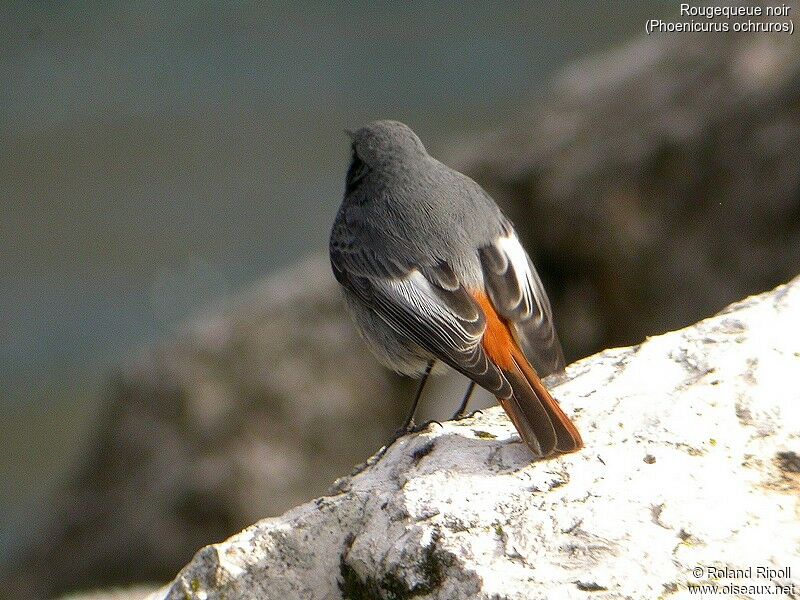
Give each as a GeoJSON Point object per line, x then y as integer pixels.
{"type": "Point", "coordinates": [653, 186]}
{"type": "Point", "coordinates": [656, 184]}
{"type": "Point", "coordinates": [247, 413]}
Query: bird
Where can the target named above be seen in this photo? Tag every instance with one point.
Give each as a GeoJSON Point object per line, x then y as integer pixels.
{"type": "Point", "coordinates": [434, 273]}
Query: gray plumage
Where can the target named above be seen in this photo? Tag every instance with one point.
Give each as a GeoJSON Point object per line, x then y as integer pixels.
{"type": "Point", "coordinates": [411, 243]}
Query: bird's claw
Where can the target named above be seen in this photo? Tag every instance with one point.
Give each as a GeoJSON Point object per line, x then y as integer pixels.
{"type": "Point", "coordinates": [459, 416]}
{"type": "Point", "coordinates": [417, 428]}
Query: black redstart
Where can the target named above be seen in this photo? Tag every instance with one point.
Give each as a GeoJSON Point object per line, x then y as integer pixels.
{"type": "Point", "coordinates": [433, 271]}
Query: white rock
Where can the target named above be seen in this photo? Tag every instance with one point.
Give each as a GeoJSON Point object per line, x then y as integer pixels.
{"type": "Point", "coordinates": [692, 460]}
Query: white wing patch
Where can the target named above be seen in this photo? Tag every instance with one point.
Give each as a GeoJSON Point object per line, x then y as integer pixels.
{"type": "Point", "coordinates": [518, 295]}
{"type": "Point", "coordinates": [418, 293]}
{"type": "Point", "coordinates": [447, 324]}
{"type": "Point", "coordinates": [527, 286]}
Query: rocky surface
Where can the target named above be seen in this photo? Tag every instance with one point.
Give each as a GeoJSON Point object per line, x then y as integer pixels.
{"type": "Point", "coordinates": [692, 460]}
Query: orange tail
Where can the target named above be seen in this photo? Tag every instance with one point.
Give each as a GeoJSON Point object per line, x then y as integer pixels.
{"type": "Point", "coordinates": [537, 416]}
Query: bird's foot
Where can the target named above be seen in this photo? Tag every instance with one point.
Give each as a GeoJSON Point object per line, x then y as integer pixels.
{"type": "Point", "coordinates": [403, 431]}
{"type": "Point", "coordinates": [417, 428]}
{"type": "Point", "coordinates": [460, 416]}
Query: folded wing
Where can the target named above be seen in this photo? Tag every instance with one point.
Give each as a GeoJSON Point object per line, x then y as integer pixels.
{"type": "Point", "coordinates": [478, 335]}
{"type": "Point", "coordinates": [519, 297]}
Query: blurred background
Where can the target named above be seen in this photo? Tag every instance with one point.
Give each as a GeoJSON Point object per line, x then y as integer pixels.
{"type": "Point", "coordinates": [174, 361]}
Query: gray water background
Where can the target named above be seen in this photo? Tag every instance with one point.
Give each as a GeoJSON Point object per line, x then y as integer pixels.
{"type": "Point", "coordinates": [155, 158]}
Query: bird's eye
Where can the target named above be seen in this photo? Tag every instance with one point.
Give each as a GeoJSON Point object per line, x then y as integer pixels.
{"type": "Point", "coordinates": [357, 171]}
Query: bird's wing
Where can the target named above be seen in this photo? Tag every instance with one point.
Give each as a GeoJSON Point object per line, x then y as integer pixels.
{"type": "Point", "coordinates": [426, 305]}
{"type": "Point", "coordinates": [430, 307]}
{"type": "Point", "coordinates": [518, 296]}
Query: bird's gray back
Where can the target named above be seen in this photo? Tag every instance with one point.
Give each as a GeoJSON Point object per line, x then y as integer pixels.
{"type": "Point", "coordinates": [419, 213]}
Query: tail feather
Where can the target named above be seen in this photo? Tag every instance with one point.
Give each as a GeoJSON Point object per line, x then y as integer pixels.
{"type": "Point", "coordinates": [568, 438]}
{"type": "Point", "coordinates": [539, 419]}
{"type": "Point", "coordinates": [529, 415]}
{"type": "Point", "coordinates": [537, 416]}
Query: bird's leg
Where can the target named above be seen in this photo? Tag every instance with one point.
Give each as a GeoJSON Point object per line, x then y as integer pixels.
{"type": "Point", "coordinates": [461, 412]}
{"type": "Point", "coordinates": [408, 425]}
